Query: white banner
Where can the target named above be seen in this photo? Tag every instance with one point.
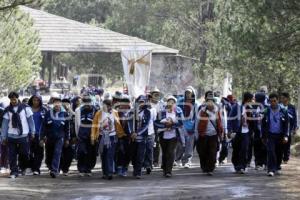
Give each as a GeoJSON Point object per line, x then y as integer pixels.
{"type": "Point", "coordinates": [137, 67]}
{"type": "Point", "coordinates": [227, 85]}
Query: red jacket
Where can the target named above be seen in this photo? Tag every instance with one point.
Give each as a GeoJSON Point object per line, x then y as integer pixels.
{"type": "Point", "coordinates": [202, 125]}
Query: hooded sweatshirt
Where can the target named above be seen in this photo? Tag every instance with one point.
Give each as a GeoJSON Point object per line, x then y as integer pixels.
{"type": "Point", "coordinates": [38, 116]}
{"type": "Point", "coordinates": [189, 111]}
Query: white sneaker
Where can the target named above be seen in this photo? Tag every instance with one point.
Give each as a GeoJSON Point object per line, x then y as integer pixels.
{"type": "Point", "coordinates": [28, 172]}
{"type": "Point", "coordinates": [12, 176]}
{"type": "Point", "coordinates": [81, 174]}
{"type": "Point", "coordinates": [65, 174]}
{"type": "Point", "coordinates": [210, 173]}
{"type": "Point", "coordinates": [88, 174]}
{"type": "Point", "coordinates": [36, 173]}
{"type": "Point", "coordinates": [187, 165]}
{"type": "Point", "coordinates": [175, 164]}
{"type": "Point", "coordinates": [271, 174]}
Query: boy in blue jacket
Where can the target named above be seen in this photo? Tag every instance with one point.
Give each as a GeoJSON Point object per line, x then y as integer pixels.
{"type": "Point", "coordinates": [275, 133]}
{"type": "Point", "coordinates": [56, 134]}
{"type": "Point", "coordinates": [293, 127]}
{"type": "Point", "coordinates": [36, 150]}
{"type": "Point", "coordinates": [143, 116]}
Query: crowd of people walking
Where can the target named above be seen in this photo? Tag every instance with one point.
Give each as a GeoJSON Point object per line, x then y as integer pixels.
{"type": "Point", "coordinates": [124, 131]}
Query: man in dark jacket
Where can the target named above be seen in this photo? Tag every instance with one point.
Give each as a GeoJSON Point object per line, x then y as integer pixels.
{"type": "Point", "coordinates": [86, 153]}
{"type": "Point", "coordinates": [275, 133]}
{"type": "Point", "coordinates": [240, 122]}
{"type": "Point", "coordinates": [56, 134]}
{"type": "Point", "coordinates": [293, 127]}
{"type": "Point", "coordinates": [36, 150]}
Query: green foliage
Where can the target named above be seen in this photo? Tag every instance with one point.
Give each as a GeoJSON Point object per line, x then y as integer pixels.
{"type": "Point", "coordinates": [80, 10]}
{"type": "Point", "coordinates": [19, 55]}
{"type": "Point", "coordinates": [258, 42]}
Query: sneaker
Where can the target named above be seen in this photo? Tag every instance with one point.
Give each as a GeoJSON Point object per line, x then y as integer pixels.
{"type": "Point", "coordinates": [36, 173]}
{"type": "Point", "coordinates": [119, 171]}
{"type": "Point", "coordinates": [168, 175]}
{"type": "Point", "coordinates": [187, 165]}
{"type": "Point", "coordinates": [124, 172]}
{"type": "Point", "coordinates": [210, 174]}
{"type": "Point", "coordinates": [175, 164]}
{"type": "Point", "coordinates": [53, 174]}
{"type": "Point", "coordinates": [28, 172]}
{"type": "Point", "coordinates": [104, 177]}
{"type": "Point", "coordinates": [81, 174]}
{"type": "Point", "coordinates": [12, 176]}
{"type": "Point", "coordinates": [271, 174]}
{"type": "Point", "coordinates": [88, 174]}
{"type": "Point", "coordinates": [138, 176]}
{"type": "Point", "coordinates": [155, 164]}
{"type": "Point", "coordinates": [148, 171]}
{"type": "Point", "coordinates": [242, 171]}
{"type": "Point", "coordinates": [65, 174]}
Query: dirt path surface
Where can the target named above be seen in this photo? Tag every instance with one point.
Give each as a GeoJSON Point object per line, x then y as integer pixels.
{"type": "Point", "coordinates": [185, 184]}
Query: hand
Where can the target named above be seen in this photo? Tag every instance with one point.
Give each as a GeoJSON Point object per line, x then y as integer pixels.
{"type": "Point", "coordinates": [133, 136]}
{"type": "Point", "coordinates": [285, 140]}
{"type": "Point", "coordinates": [67, 143]}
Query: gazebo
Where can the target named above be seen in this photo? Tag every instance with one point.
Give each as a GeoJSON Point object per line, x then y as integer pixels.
{"type": "Point", "coordinates": [61, 35]}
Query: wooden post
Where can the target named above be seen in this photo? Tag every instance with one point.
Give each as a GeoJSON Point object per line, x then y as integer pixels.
{"type": "Point", "coordinates": [44, 65]}
{"type": "Point", "coordinates": [50, 67]}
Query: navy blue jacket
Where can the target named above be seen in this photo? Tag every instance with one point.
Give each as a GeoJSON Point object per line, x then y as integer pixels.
{"type": "Point", "coordinates": [56, 127]}
{"type": "Point", "coordinates": [284, 120]}
{"type": "Point", "coordinates": [235, 118]}
{"type": "Point", "coordinates": [86, 118]}
{"type": "Point", "coordinates": [143, 129]}
{"type": "Point", "coordinates": [292, 113]}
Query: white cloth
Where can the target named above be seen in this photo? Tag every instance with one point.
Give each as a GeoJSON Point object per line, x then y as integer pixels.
{"type": "Point", "coordinates": [169, 134]}
{"type": "Point", "coordinates": [107, 124]}
{"type": "Point", "coordinates": [245, 127]}
{"type": "Point", "coordinates": [77, 119]}
{"type": "Point", "coordinates": [151, 122]}
{"type": "Point", "coordinates": [211, 129]}
{"type": "Point", "coordinates": [23, 116]}
{"type": "Point", "coordinates": [137, 67]}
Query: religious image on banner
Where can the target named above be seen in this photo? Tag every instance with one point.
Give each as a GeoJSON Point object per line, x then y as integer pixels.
{"type": "Point", "coordinates": [137, 68]}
